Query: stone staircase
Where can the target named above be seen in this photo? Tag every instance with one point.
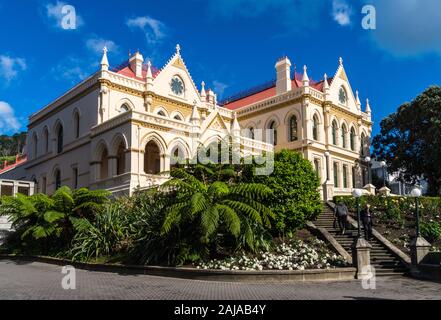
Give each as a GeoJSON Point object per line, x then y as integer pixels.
{"type": "Point", "coordinates": [382, 259]}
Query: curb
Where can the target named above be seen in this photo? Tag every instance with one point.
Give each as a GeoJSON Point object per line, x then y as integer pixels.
{"type": "Point", "coordinates": [338, 274]}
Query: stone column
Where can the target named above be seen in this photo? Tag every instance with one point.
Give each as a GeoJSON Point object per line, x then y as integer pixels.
{"type": "Point", "coordinates": [361, 257]}
{"type": "Point", "coordinates": [419, 248]}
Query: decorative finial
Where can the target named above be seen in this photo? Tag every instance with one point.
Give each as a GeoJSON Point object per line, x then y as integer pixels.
{"type": "Point", "coordinates": [340, 61]}
{"type": "Point", "coordinates": [104, 60]}
{"type": "Point", "coordinates": [368, 107]}
{"type": "Point", "coordinates": [178, 49]}
{"type": "Point", "coordinates": [357, 100]}
{"type": "Point", "coordinates": [325, 82]}
{"type": "Point", "coordinates": [305, 78]}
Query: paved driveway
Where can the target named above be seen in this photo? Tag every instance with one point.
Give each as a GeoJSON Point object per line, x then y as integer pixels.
{"type": "Point", "coordinates": [23, 280]}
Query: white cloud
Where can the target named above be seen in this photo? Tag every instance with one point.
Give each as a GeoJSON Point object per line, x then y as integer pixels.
{"type": "Point", "coordinates": [10, 67]}
{"type": "Point", "coordinates": [70, 69]}
{"type": "Point", "coordinates": [407, 28]}
{"type": "Point", "coordinates": [54, 12]}
{"type": "Point", "coordinates": [97, 44]}
{"type": "Point", "coordinates": [155, 31]}
{"type": "Point", "coordinates": [8, 121]}
{"type": "Point", "coordinates": [219, 88]}
{"type": "Point", "coordinates": [341, 12]}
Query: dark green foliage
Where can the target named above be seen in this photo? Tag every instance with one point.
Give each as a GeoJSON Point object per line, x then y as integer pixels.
{"type": "Point", "coordinates": [410, 140]}
{"type": "Point", "coordinates": [44, 224]}
{"type": "Point", "coordinates": [12, 145]}
{"type": "Point", "coordinates": [431, 231]}
{"type": "Point", "coordinates": [295, 198]}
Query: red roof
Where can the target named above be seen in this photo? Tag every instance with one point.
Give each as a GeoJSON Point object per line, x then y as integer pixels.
{"type": "Point", "coordinates": [125, 70]}
{"type": "Point", "coordinates": [270, 92]}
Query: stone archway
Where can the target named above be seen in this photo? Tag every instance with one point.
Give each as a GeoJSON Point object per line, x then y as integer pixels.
{"type": "Point", "coordinates": [152, 158]}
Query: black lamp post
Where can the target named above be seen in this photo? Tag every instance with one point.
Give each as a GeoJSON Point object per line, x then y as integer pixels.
{"type": "Point", "coordinates": [416, 192]}
{"type": "Point", "coordinates": [357, 194]}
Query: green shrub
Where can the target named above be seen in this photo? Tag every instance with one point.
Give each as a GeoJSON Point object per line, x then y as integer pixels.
{"type": "Point", "coordinates": [295, 198]}
{"type": "Point", "coordinates": [431, 231]}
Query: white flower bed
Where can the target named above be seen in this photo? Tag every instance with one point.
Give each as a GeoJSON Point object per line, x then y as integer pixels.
{"type": "Point", "coordinates": [295, 255]}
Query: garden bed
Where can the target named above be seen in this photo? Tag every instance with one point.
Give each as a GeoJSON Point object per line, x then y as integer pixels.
{"type": "Point", "coordinates": [394, 218]}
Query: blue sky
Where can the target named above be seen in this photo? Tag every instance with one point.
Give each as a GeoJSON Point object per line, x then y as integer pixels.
{"type": "Point", "coordinates": [230, 44]}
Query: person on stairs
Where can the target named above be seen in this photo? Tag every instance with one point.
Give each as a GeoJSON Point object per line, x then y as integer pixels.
{"type": "Point", "coordinates": [366, 218]}
{"type": "Point", "coordinates": [341, 215]}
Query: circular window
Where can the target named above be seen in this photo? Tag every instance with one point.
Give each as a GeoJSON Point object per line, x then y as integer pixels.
{"type": "Point", "coordinates": [177, 86]}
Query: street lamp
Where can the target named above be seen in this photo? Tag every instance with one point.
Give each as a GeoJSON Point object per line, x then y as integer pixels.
{"type": "Point", "coordinates": [416, 192]}
{"type": "Point", "coordinates": [327, 154]}
{"type": "Point", "coordinates": [383, 165]}
{"type": "Point", "coordinates": [368, 161]}
{"type": "Point", "coordinates": [357, 193]}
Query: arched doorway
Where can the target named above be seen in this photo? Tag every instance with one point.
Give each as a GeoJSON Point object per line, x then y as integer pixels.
{"type": "Point", "coordinates": [121, 159]}
{"type": "Point", "coordinates": [104, 164]}
{"type": "Point", "coordinates": [152, 158]}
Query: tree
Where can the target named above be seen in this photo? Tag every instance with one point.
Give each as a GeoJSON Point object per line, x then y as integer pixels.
{"type": "Point", "coordinates": [12, 145]}
{"type": "Point", "coordinates": [203, 210]}
{"type": "Point", "coordinates": [410, 140]}
{"type": "Point", "coordinates": [295, 198]}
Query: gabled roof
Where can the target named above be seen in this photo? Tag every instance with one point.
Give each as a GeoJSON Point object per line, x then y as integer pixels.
{"type": "Point", "coordinates": [124, 69]}
{"type": "Point", "coordinates": [265, 91]}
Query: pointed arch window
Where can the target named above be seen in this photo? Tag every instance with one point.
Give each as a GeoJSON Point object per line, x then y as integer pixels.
{"type": "Point", "coordinates": [293, 129]}
{"type": "Point", "coordinates": [343, 136]}
{"type": "Point", "coordinates": [60, 138]}
{"type": "Point", "coordinates": [334, 132]}
{"type": "Point", "coordinates": [46, 140]}
{"type": "Point", "coordinates": [76, 124]}
{"type": "Point", "coordinates": [363, 144]}
{"type": "Point", "coordinates": [352, 139]}
{"type": "Point", "coordinates": [34, 146]}
{"type": "Point", "coordinates": [121, 160]}
{"type": "Point", "coordinates": [273, 133]}
{"type": "Point", "coordinates": [57, 178]}
{"type": "Point", "coordinates": [161, 113]}
{"type": "Point", "coordinates": [315, 128]}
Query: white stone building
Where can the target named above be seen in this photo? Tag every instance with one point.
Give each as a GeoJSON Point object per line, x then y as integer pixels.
{"type": "Point", "coordinates": [120, 128]}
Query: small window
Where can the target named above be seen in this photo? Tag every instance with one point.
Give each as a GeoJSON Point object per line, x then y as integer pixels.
{"type": "Point", "coordinates": [293, 132]}
{"type": "Point", "coordinates": [343, 136]}
{"type": "Point", "coordinates": [57, 179]}
{"type": "Point", "coordinates": [161, 113]}
{"type": "Point", "coordinates": [336, 184]}
{"type": "Point", "coordinates": [334, 132]}
{"type": "Point", "coordinates": [177, 117]}
{"type": "Point", "coordinates": [345, 176]}
{"type": "Point", "coordinates": [273, 133]}
{"type": "Point", "coordinates": [124, 108]}
{"type": "Point", "coordinates": [77, 125]}
{"type": "Point", "coordinates": [315, 128]}
{"type": "Point", "coordinates": [75, 178]}
{"type": "Point", "coordinates": [342, 96]}
{"type": "Point", "coordinates": [60, 137]}
{"type": "Point", "coordinates": [352, 139]}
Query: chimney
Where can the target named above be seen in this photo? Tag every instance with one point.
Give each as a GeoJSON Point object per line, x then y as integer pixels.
{"type": "Point", "coordinates": [283, 68]}
{"type": "Point", "coordinates": [136, 64]}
